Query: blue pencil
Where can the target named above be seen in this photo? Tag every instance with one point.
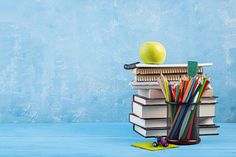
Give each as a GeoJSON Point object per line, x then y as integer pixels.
{"type": "Point", "coordinates": [170, 91]}
{"type": "Point", "coordinates": [178, 120]}
{"type": "Point", "coordinates": [184, 124]}
{"type": "Point", "coordinates": [188, 112]}
{"type": "Point", "coordinates": [190, 91]}
{"type": "Point", "coordinates": [183, 110]}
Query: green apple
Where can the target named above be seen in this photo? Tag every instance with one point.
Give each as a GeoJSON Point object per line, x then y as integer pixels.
{"type": "Point", "coordinates": [152, 53]}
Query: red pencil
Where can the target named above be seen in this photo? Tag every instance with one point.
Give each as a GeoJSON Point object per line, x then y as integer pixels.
{"type": "Point", "coordinates": [204, 88]}
{"type": "Point", "coordinates": [190, 129]}
{"type": "Point", "coordinates": [180, 91]}
{"type": "Point", "coordinates": [174, 93]}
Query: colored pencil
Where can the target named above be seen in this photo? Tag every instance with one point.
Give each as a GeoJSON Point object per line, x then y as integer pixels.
{"type": "Point", "coordinates": [204, 88]}
{"type": "Point", "coordinates": [171, 93]}
{"type": "Point", "coordinates": [186, 91]}
{"type": "Point", "coordinates": [186, 118]}
{"type": "Point", "coordinates": [183, 98]}
{"type": "Point", "coordinates": [161, 85]}
{"type": "Point", "coordinates": [185, 121]}
{"type": "Point", "coordinates": [174, 121]}
{"type": "Point", "coordinates": [178, 119]}
{"type": "Point", "coordinates": [191, 89]}
{"type": "Point", "coordinates": [201, 89]}
{"type": "Point", "coordinates": [176, 99]}
{"type": "Point", "coordinates": [190, 128]}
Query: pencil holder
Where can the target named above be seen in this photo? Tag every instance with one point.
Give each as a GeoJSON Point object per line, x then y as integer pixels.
{"type": "Point", "coordinates": [183, 123]}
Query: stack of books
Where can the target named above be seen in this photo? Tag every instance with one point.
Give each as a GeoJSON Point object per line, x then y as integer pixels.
{"type": "Point", "coordinates": [150, 111]}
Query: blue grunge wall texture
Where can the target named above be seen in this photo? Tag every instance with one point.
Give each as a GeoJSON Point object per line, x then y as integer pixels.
{"type": "Point", "coordinates": [62, 61]}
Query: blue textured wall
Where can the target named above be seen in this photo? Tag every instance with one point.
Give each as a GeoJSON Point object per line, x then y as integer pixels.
{"type": "Point", "coordinates": [62, 61]}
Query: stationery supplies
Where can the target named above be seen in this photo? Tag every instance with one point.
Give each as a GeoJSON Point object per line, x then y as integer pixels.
{"type": "Point", "coordinates": [183, 102]}
{"type": "Point", "coordinates": [150, 115]}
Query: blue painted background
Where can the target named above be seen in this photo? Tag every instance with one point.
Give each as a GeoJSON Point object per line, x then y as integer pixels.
{"type": "Point", "coordinates": [62, 61]}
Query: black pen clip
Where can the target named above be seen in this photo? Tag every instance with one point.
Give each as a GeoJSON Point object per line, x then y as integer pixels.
{"type": "Point", "coordinates": [130, 66]}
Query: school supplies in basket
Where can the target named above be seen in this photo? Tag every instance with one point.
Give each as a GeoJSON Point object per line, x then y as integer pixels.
{"type": "Point", "coordinates": [183, 99]}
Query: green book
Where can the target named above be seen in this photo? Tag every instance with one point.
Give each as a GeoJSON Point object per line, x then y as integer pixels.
{"type": "Point", "coordinates": [192, 68]}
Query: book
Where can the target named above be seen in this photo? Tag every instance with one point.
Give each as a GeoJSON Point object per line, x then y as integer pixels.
{"type": "Point", "coordinates": [154, 132]}
{"type": "Point", "coordinates": [136, 87]}
{"type": "Point", "coordinates": [207, 110]}
{"type": "Point", "coordinates": [163, 70]}
{"type": "Point", "coordinates": [154, 78]}
{"type": "Point", "coordinates": [206, 120]}
{"type": "Point", "coordinates": [209, 92]}
{"type": "Point", "coordinates": [208, 100]}
{"type": "Point", "coordinates": [145, 85]}
{"type": "Point", "coordinates": [150, 132]}
{"type": "Point", "coordinates": [173, 72]}
{"type": "Point", "coordinates": [147, 123]}
{"type": "Point", "coordinates": [205, 130]}
{"type": "Point", "coordinates": [163, 122]}
{"type": "Point", "coordinates": [149, 101]}
{"type": "Point", "coordinates": [155, 110]}
{"type": "Point", "coordinates": [140, 65]}
{"type": "Point", "coordinates": [152, 111]}
{"type": "Point", "coordinates": [151, 93]}
{"type": "Point", "coordinates": [145, 101]}
{"type": "Point", "coordinates": [133, 83]}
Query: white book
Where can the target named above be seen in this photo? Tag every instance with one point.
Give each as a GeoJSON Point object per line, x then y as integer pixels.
{"type": "Point", "coordinates": [170, 65]}
{"type": "Point", "coordinates": [163, 122]}
{"type": "Point", "coordinates": [152, 111]}
{"type": "Point", "coordinates": [148, 123]}
{"type": "Point", "coordinates": [208, 92]}
{"type": "Point", "coordinates": [146, 101]}
{"type": "Point", "coordinates": [207, 110]}
{"type": "Point", "coordinates": [163, 70]}
{"type": "Point", "coordinates": [206, 121]}
{"type": "Point", "coordinates": [208, 130]}
{"type": "Point", "coordinates": [151, 93]}
{"type": "Point", "coordinates": [207, 96]}
{"type": "Point", "coordinates": [136, 87]}
{"type": "Point", "coordinates": [133, 83]}
{"type": "Point", "coordinates": [154, 132]}
{"type": "Point", "coordinates": [207, 100]}
{"type": "Point", "coordinates": [144, 85]}
{"type": "Point", "coordinates": [150, 133]}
